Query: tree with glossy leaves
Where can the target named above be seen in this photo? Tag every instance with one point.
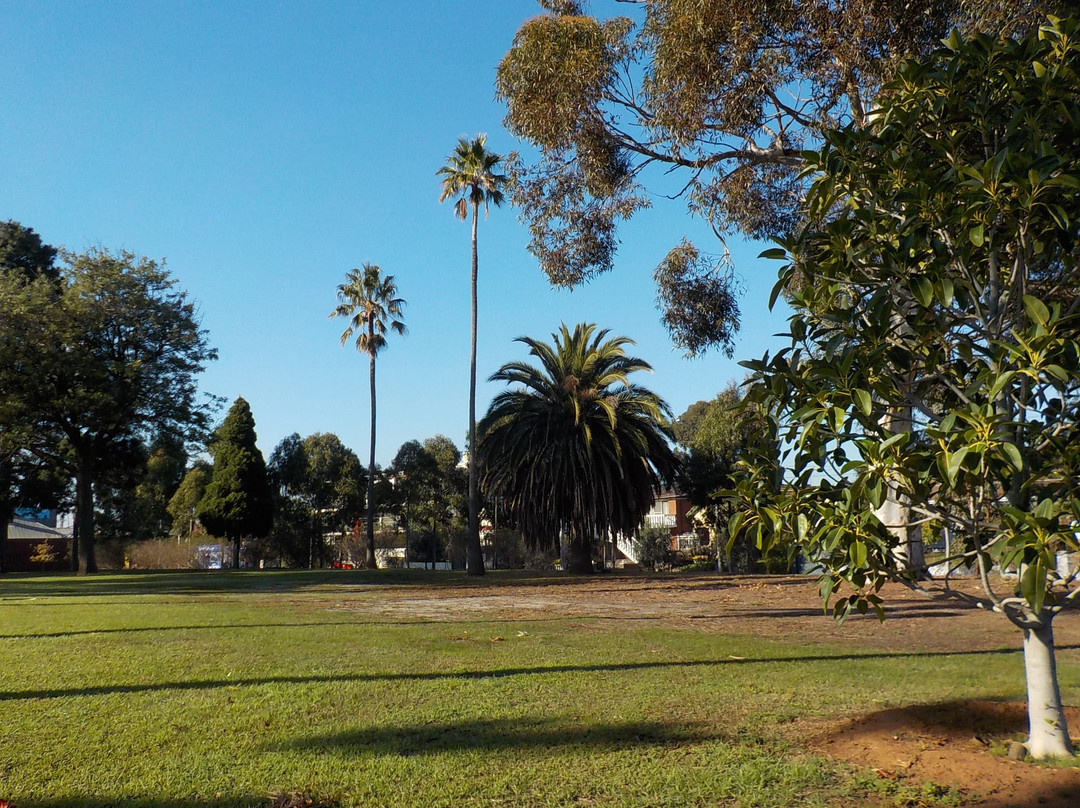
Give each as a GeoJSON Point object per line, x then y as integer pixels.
{"type": "Point", "coordinates": [575, 450]}
{"type": "Point", "coordinates": [471, 174]}
{"type": "Point", "coordinates": [941, 268]}
{"type": "Point", "coordinates": [370, 303]}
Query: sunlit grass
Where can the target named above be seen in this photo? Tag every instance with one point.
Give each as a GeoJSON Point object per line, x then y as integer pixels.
{"type": "Point", "coordinates": [222, 689]}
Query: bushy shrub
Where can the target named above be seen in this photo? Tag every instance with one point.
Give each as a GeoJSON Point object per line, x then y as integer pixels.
{"type": "Point", "coordinates": [653, 545]}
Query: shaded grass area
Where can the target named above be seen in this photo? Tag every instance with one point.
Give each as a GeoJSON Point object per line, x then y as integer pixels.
{"type": "Point", "coordinates": [220, 689]}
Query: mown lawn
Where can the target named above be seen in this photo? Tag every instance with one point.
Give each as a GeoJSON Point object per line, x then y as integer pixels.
{"type": "Point", "coordinates": [226, 688]}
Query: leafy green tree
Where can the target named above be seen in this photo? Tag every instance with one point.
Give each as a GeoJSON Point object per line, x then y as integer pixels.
{"type": "Point", "coordinates": [710, 102]}
{"type": "Point", "coordinates": [24, 253]}
{"type": "Point", "coordinates": [576, 450]}
{"type": "Point", "coordinates": [429, 488]}
{"type": "Point", "coordinates": [471, 176]}
{"type": "Point", "coordinates": [133, 496]}
{"type": "Point", "coordinates": [115, 350]}
{"type": "Point", "coordinates": [714, 435]}
{"type": "Point", "coordinates": [184, 503]}
{"type": "Point", "coordinates": [319, 488]}
{"type": "Point", "coordinates": [237, 502]}
{"type": "Point", "coordinates": [369, 300]}
{"type": "Point", "coordinates": [940, 268]}
{"type": "Point", "coordinates": [24, 258]}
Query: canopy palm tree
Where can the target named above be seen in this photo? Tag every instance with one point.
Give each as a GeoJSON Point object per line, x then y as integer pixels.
{"type": "Point", "coordinates": [577, 451]}
{"type": "Point", "coordinates": [470, 174]}
{"type": "Point", "coordinates": [369, 299]}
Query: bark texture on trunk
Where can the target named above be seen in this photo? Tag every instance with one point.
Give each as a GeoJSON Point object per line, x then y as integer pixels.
{"type": "Point", "coordinates": [84, 524]}
{"type": "Point", "coordinates": [577, 556]}
{"type": "Point", "coordinates": [1048, 731]}
{"type": "Point", "coordinates": [474, 554]}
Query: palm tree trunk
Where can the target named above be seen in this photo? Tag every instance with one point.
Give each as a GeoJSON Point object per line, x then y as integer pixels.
{"type": "Point", "coordinates": [369, 558]}
{"type": "Point", "coordinates": [474, 553]}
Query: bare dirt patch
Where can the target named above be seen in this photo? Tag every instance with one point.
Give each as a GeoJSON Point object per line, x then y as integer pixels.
{"type": "Point", "coordinates": [949, 744]}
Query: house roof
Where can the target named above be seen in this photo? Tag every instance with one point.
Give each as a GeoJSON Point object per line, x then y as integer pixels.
{"type": "Point", "coordinates": [26, 529]}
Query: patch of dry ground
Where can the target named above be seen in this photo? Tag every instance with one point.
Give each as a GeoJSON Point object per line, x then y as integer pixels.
{"type": "Point", "coordinates": [947, 744]}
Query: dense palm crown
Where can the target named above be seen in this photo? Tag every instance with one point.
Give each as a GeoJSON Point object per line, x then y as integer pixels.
{"type": "Point", "coordinates": [576, 449]}
{"type": "Point", "coordinates": [369, 300]}
{"type": "Point", "coordinates": [470, 174]}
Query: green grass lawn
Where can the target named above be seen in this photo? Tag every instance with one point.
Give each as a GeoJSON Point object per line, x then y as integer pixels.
{"type": "Point", "coordinates": [222, 689]}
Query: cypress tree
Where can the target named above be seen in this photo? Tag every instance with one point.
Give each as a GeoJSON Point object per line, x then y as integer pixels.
{"type": "Point", "coordinates": [237, 502]}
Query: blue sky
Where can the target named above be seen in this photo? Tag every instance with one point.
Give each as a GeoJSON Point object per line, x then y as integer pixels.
{"type": "Point", "coordinates": [265, 148]}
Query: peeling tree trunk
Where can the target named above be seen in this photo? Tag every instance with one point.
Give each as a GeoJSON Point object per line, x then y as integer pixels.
{"type": "Point", "coordinates": [1049, 734]}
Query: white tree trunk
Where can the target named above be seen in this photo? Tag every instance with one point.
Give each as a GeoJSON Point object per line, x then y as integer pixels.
{"type": "Point", "coordinates": [1049, 734]}
{"type": "Point", "coordinates": [895, 510]}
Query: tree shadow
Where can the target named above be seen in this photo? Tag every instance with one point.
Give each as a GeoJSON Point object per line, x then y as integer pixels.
{"type": "Point", "coordinates": [493, 673]}
{"type": "Point", "coordinates": [248, 801]}
{"type": "Point", "coordinates": [492, 735]}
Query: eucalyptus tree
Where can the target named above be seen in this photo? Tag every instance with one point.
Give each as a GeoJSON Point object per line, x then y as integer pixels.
{"type": "Point", "coordinates": [471, 174]}
{"type": "Point", "coordinates": [370, 303]}
{"type": "Point", "coordinates": [575, 450]}
{"type": "Point", "coordinates": [707, 101]}
{"type": "Point", "coordinates": [940, 270]}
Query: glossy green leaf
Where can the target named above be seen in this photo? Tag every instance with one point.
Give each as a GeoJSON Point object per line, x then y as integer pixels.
{"type": "Point", "coordinates": [863, 401]}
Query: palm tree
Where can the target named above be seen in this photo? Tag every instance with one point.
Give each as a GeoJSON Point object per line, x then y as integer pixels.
{"type": "Point", "coordinates": [577, 451]}
{"type": "Point", "coordinates": [369, 300]}
{"type": "Point", "coordinates": [470, 174]}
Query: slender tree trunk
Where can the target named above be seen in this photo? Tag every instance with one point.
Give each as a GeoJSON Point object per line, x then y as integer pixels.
{"type": "Point", "coordinates": [370, 562]}
{"type": "Point", "coordinates": [7, 513]}
{"type": "Point", "coordinates": [1049, 734]}
{"type": "Point", "coordinates": [84, 521]}
{"type": "Point", "coordinates": [474, 554]}
{"type": "Point", "coordinates": [236, 553]}
{"type": "Point", "coordinates": [895, 511]}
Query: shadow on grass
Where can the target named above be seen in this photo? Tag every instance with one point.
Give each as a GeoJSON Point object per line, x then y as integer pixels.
{"type": "Point", "coordinates": [494, 673]}
{"type": "Point", "coordinates": [17, 586]}
{"type": "Point", "coordinates": [143, 802]}
{"type": "Point", "coordinates": [491, 735]}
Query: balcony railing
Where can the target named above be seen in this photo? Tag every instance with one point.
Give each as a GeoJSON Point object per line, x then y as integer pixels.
{"type": "Point", "coordinates": [659, 520]}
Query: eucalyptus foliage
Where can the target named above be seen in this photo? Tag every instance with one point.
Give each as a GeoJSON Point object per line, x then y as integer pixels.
{"type": "Point", "coordinates": [575, 450]}
{"type": "Point", "coordinates": [937, 279]}
{"type": "Point", "coordinates": [720, 96]}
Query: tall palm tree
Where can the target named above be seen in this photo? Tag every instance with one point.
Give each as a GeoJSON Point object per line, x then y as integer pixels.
{"type": "Point", "coordinates": [369, 300]}
{"type": "Point", "coordinates": [470, 174]}
{"type": "Point", "coordinates": [577, 450]}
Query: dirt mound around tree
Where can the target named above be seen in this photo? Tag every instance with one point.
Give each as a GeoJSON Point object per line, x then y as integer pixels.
{"type": "Point", "coordinates": [955, 744]}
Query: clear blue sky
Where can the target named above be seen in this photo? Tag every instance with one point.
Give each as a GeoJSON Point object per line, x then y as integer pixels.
{"type": "Point", "coordinates": [265, 148]}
